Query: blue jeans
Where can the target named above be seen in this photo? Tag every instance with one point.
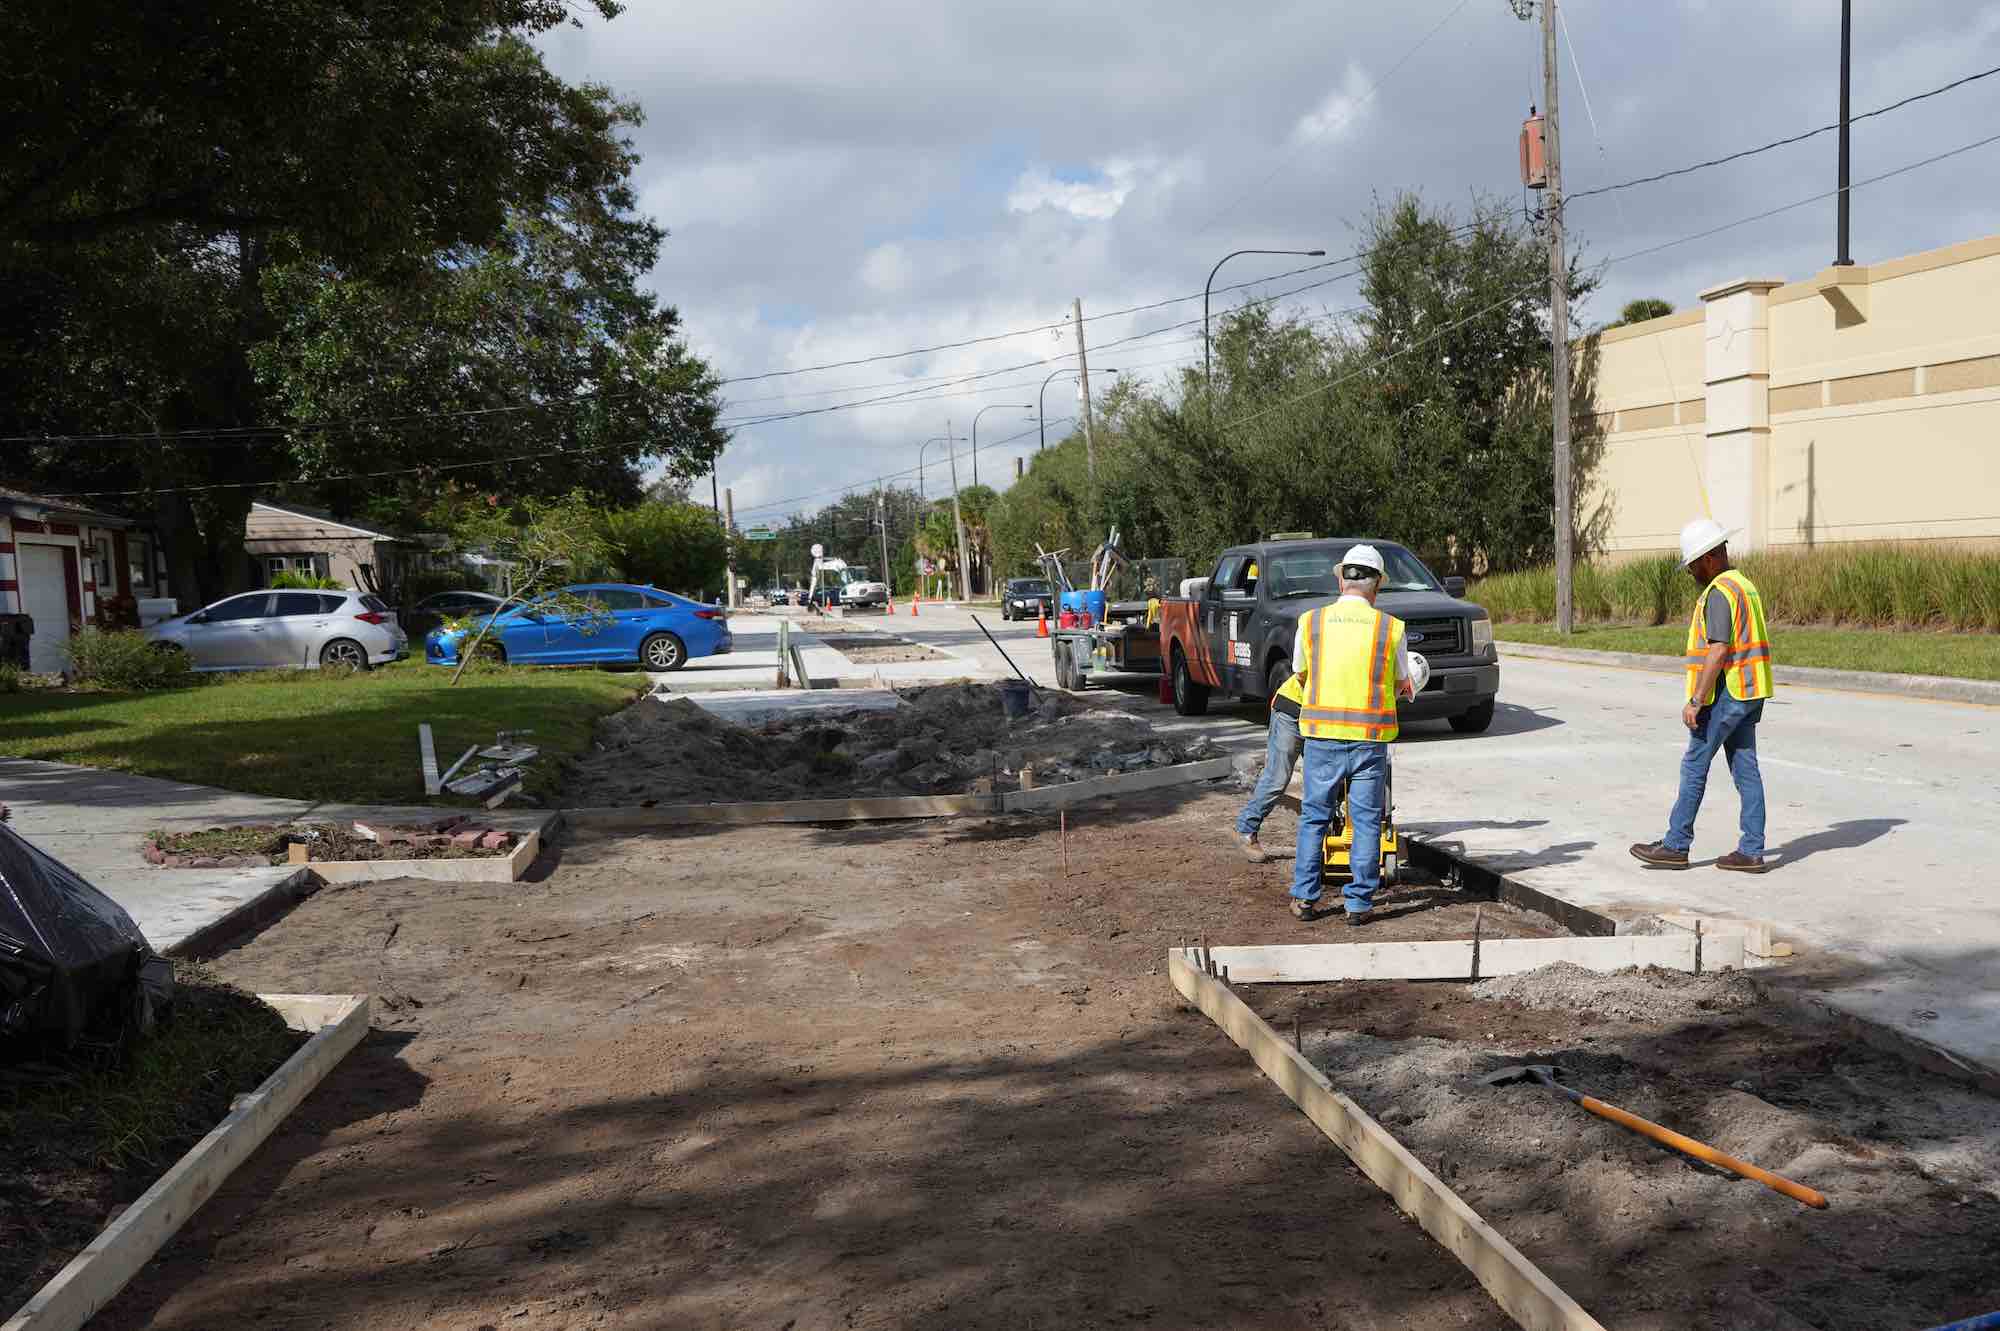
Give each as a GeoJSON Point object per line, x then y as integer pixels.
{"type": "Point", "coordinates": [1730, 726]}
{"type": "Point", "coordinates": [1281, 755]}
{"type": "Point", "coordinates": [1365, 767]}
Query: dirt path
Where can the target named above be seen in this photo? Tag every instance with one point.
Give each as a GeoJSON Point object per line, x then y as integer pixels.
{"type": "Point", "coordinates": [874, 1076]}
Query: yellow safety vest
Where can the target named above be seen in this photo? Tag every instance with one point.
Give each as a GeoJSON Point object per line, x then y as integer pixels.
{"type": "Point", "coordinates": [1351, 652]}
{"type": "Point", "coordinates": [1293, 690]}
{"type": "Point", "coordinates": [1747, 667]}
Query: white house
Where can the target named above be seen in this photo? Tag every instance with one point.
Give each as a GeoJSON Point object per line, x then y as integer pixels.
{"type": "Point", "coordinates": [59, 561]}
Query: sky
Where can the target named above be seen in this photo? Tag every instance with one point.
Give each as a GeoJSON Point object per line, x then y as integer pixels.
{"type": "Point", "coordinates": [844, 180]}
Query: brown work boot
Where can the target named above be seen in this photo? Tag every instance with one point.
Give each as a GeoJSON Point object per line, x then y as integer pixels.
{"type": "Point", "coordinates": [1737, 862]}
{"type": "Point", "coordinates": [1253, 849]}
{"type": "Point", "coordinates": [1657, 856]}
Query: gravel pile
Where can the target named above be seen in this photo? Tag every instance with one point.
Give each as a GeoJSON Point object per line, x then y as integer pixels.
{"type": "Point", "coordinates": [1648, 994]}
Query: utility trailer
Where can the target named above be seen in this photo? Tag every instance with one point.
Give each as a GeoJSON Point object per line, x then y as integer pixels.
{"type": "Point", "coordinates": [1125, 643]}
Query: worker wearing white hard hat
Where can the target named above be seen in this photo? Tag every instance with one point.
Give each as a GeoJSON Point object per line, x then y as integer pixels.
{"type": "Point", "coordinates": [1728, 678]}
{"type": "Point", "coordinates": [1353, 664]}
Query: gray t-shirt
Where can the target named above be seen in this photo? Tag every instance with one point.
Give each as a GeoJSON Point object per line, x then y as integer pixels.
{"type": "Point", "coordinates": [1716, 612]}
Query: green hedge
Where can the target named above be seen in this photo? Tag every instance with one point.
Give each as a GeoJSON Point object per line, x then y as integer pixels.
{"type": "Point", "coordinates": [122, 661]}
{"type": "Point", "coordinates": [1867, 586]}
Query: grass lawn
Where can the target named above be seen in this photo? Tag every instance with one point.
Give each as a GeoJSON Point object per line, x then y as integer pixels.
{"type": "Point", "coordinates": [311, 734]}
{"type": "Point", "coordinates": [1891, 651]}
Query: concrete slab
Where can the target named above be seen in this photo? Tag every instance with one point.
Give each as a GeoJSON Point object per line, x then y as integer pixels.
{"type": "Point", "coordinates": [754, 707]}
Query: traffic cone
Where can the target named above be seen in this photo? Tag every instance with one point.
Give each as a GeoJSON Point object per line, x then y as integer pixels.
{"type": "Point", "coordinates": [892, 605]}
{"type": "Point", "coordinates": [1041, 621]}
{"type": "Point", "coordinates": [916, 598]}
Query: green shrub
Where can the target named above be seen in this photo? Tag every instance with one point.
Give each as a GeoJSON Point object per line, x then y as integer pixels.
{"type": "Point", "coordinates": [430, 581]}
{"type": "Point", "coordinates": [306, 582]}
{"type": "Point", "coordinates": [124, 661]}
{"type": "Point", "coordinates": [1866, 586]}
{"type": "Point", "coordinates": [11, 678]}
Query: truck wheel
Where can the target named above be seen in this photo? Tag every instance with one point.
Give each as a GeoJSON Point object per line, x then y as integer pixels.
{"type": "Point", "coordinates": [1190, 698]}
{"type": "Point", "coordinates": [1281, 670]}
{"type": "Point", "coordinates": [1475, 721]}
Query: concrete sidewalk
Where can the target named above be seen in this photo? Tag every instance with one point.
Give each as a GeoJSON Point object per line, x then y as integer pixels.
{"type": "Point", "coordinates": [96, 822]}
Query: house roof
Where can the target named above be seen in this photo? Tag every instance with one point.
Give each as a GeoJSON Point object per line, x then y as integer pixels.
{"type": "Point", "coordinates": [10, 496]}
{"type": "Point", "coordinates": [318, 515]}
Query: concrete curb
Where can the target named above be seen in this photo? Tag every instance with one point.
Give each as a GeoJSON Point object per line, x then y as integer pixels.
{"type": "Point", "coordinates": [1934, 687]}
{"type": "Point", "coordinates": [336, 1022]}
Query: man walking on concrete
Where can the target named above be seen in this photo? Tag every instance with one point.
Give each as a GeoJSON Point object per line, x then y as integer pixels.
{"type": "Point", "coordinates": [1728, 677]}
{"type": "Point", "coordinates": [1352, 664]}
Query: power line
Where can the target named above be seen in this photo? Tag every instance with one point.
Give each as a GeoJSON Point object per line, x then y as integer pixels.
{"type": "Point", "coordinates": [1784, 142]}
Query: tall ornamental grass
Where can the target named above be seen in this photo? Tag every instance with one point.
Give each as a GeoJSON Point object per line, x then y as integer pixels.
{"type": "Point", "coordinates": [1862, 586]}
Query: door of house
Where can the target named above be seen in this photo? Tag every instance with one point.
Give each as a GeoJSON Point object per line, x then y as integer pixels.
{"type": "Point", "coordinates": [45, 596]}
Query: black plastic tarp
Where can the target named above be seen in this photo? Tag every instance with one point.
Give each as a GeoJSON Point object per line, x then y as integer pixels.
{"type": "Point", "coordinates": [71, 959]}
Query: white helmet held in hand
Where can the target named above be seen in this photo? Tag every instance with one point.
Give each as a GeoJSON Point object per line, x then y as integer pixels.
{"type": "Point", "coordinates": [1420, 672]}
{"type": "Point", "coordinates": [1699, 537]}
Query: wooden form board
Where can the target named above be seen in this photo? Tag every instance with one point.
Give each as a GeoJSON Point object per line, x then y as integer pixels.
{"type": "Point", "coordinates": [1310, 963]}
{"type": "Point", "coordinates": [506, 868]}
{"type": "Point", "coordinates": [95, 1275]}
{"type": "Point", "coordinates": [787, 811]}
{"type": "Point", "coordinates": [1152, 778]}
{"type": "Point", "coordinates": [1516, 1284]}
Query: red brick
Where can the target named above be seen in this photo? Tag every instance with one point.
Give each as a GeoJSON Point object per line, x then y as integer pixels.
{"type": "Point", "coordinates": [494, 841]}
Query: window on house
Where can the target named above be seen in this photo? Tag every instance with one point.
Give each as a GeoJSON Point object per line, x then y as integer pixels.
{"type": "Point", "coordinates": [139, 553]}
{"type": "Point", "coordinates": [100, 559]}
{"type": "Point", "coordinates": [275, 565]}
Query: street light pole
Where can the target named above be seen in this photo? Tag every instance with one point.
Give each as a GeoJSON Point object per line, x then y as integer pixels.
{"type": "Point", "coordinates": [934, 439]}
{"type": "Point", "coordinates": [1024, 406]}
{"type": "Point", "coordinates": [1206, 373]}
{"type": "Point", "coordinates": [958, 520]}
{"type": "Point", "coordinates": [1042, 401]}
{"type": "Point", "coordinates": [1845, 257]}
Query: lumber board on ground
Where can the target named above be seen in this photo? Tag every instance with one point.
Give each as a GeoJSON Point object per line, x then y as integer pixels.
{"type": "Point", "coordinates": [427, 754]}
{"type": "Point", "coordinates": [506, 868]}
{"type": "Point", "coordinates": [787, 811]}
{"type": "Point", "coordinates": [1313, 963]}
{"type": "Point", "coordinates": [1759, 936]}
{"type": "Point", "coordinates": [95, 1275]}
{"type": "Point", "coordinates": [1516, 1284]}
{"type": "Point", "coordinates": [1151, 778]}
{"type": "Point", "coordinates": [1296, 963]}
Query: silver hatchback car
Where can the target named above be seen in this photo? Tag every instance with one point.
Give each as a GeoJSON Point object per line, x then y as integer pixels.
{"type": "Point", "coordinates": [272, 630]}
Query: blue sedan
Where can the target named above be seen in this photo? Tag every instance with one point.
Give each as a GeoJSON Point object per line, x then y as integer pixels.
{"type": "Point", "coordinates": [629, 624]}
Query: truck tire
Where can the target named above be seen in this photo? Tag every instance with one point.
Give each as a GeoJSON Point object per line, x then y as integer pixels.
{"type": "Point", "coordinates": [1475, 721]}
{"type": "Point", "coordinates": [1190, 698]}
{"type": "Point", "coordinates": [1274, 679]}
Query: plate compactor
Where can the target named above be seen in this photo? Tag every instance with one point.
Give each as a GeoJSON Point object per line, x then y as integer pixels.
{"type": "Point", "coordinates": [1339, 844]}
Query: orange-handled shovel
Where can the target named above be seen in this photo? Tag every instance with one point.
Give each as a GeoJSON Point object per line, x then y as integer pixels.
{"type": "Point", "coordinates": [1546, 1073]}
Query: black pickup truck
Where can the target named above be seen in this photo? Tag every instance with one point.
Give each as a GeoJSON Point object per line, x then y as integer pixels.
{"type": "Point", "coordinates": [1234, 635]}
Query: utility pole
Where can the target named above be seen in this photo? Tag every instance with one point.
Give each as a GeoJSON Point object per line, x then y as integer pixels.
{"type": "Point", "coordinates": [1083, 391]}
{"type": "Point", "coordinates": [882, 516]}
{"type": "Point", "coordinates": [958, 520]}
{"type": "Point", "coordinates": [729, 545]}
{"type": "Point", "coordinates": [1845, 257]}
{"type": "Point", "coordinates": [1558, 324]}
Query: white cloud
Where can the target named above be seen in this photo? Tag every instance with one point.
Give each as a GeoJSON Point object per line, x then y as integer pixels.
{"type": "Point", "coordinates": [1340, 111]}
{"type": "Point", "coordinates": [1097, 200]}
{"type": "Point", "coordinates": [888, 269]}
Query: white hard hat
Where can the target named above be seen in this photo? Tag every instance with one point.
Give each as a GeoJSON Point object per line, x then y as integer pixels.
{"type": "Point", "coordinates": [1367, 556]}
{"type": "Point", "coordinates": [1699, 537]}
{"type": "Point", "coordinates": [1420, 672]}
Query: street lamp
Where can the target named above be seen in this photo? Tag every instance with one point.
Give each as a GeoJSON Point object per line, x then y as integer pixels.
{"type": "Point", "coordinates": [1041, 401]}
{"type": "Point", "coordinates": [935, 439]}
{"type": "Point", "coordinates": [1024, 406]}
{"type": "Point", "coordinates": [1206, 373]}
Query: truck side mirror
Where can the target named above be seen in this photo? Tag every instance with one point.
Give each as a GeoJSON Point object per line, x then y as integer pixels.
{"type": "Point", "coordinates": [1454, 586]}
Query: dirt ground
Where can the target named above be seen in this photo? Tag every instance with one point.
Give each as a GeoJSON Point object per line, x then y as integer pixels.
{"type": "Point", "coordinates": [1643, 1237]}
{"type": "Point", "coordinates": [941, 739]}
{"type": "Point", "coordinates": [879, 1075]}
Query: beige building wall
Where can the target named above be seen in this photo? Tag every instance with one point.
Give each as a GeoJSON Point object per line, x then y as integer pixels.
{"type": "Point", "coordinates": [1862, 404]}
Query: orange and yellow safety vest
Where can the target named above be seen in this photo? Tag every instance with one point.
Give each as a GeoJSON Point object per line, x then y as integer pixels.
{"type": "Point", "coordinates": [1747, 666]}
{"type": "Point", "coordinates": [1350, 687]}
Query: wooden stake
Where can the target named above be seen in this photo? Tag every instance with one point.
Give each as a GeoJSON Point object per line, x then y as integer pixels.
{"type": "Point", "coordinates": [1062, 833]}
{"type": "Point", "coordinates": [1478, 914]}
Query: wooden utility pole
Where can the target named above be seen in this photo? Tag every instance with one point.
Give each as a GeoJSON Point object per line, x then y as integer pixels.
{"type": "Point", "coordinates": [729, 546]}
{"type": "Point", "coordinates": [1083, 390]}
{"type": "Point", "coordinates": [958, 520]}
{"type": "Point", "coordinates": [882, 516]}
{"type": "Point", "coordinates": [1558, 324]}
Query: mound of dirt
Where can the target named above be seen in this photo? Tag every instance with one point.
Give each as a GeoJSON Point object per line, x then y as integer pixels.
{"type": "Point", "coordinates": [1648, 994]}
{"type": "Point", "coordinates": [944, 739]}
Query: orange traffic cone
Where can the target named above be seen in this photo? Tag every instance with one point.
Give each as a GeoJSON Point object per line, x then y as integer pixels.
{"type": "Point", "coordinates": [1041, 621]}
{"type": "Point", "coordinates": [892, 605]}
{"type": "Point", "coordinates": [916, 598]}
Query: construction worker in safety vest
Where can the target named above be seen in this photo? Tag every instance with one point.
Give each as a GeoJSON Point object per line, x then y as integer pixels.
{"type": "Point", "coordinates": [1281, 758]}
{"type": "Point", "coordinates": [1728, 678]}
{"type": "Point", "coordinates": [1352, 664]}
